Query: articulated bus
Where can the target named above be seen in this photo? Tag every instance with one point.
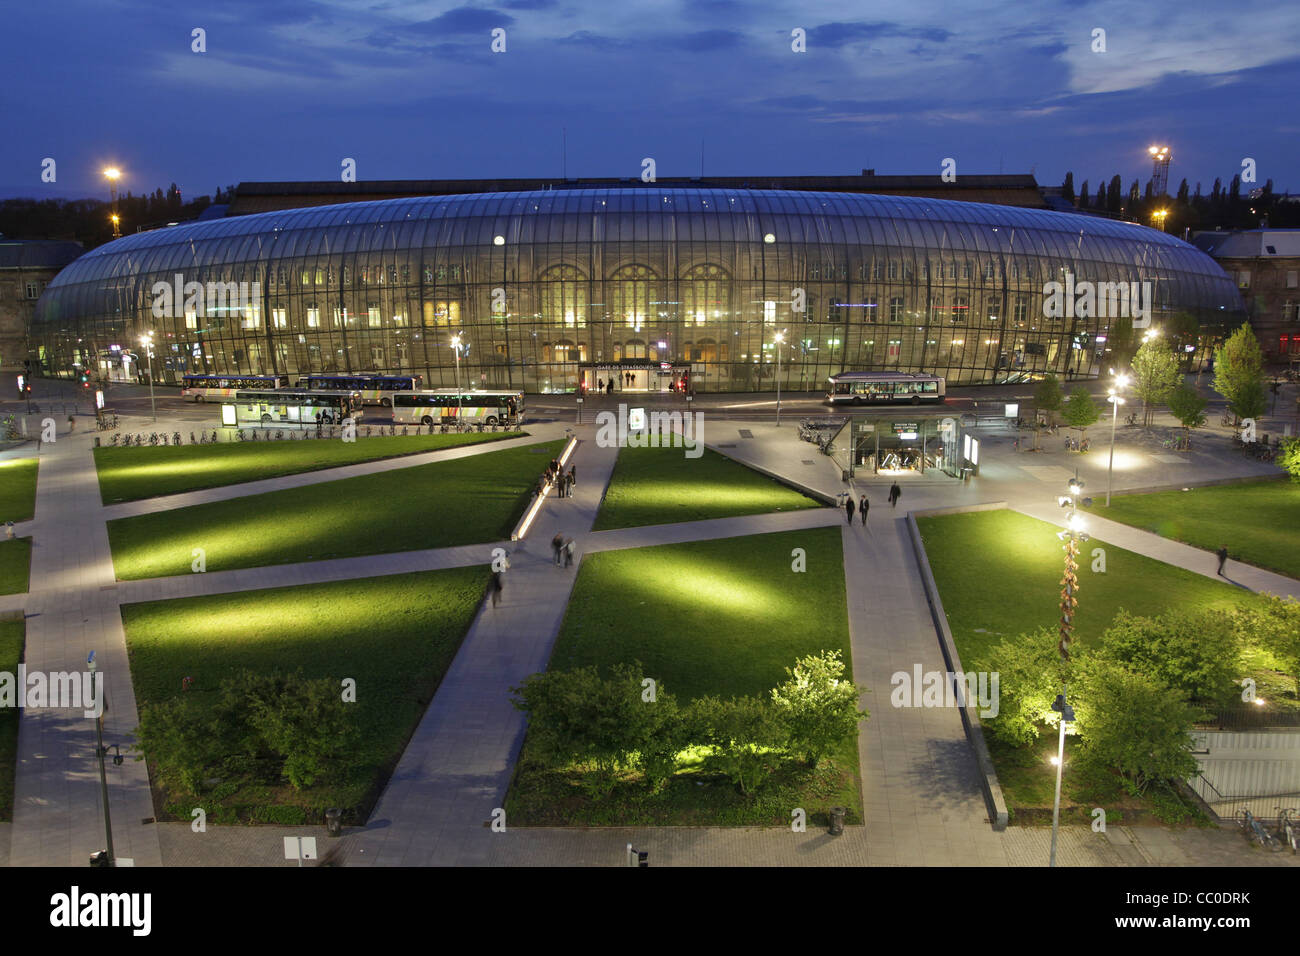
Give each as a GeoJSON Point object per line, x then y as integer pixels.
{"type": "Point", "coordinates": [447, 405]}
{"type": "Point", "coordinates": [374, 389]}
{"type": "Point", "coordinates": [202, 388]}
{"type": "Point", "coordinates": [857, 388]}
{"type": "Point", "coordinates": [290, 407]}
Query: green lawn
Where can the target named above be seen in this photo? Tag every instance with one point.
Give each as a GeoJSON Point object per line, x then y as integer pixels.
{"type": "Point", "coordinates": [129, 474]}
{"type": "Point", "coordinates": [663, 486]}
{"type": "Point", "coordinates": [1258, 522]}
{"type": "Point", "coordinates": [467, 501]}
{"type": "Point", "coordinates": [15, 565]}
{"type": "Point", "coordinates": [11, 653]}
{"type": "Point", "coordinates": [999, 575]}
{"type": "Point", "coordinates": [723, 617]}
{"type": "Point", "coordinates": [394, 635]}
{"type": "Point", "coordinates": [17, 489]}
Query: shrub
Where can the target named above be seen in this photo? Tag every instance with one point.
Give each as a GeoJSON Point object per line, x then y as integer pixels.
{"type": "Point", "coordinates": [817, 705]}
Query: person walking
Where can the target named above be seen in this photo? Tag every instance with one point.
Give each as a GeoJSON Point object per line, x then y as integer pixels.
{"type": "Point", "coordinates": [1223, 558]}
{"type": "Point", "coordinates": [863, 505]}
{"type": "Point", "coordinates": [848, 509]}
{"type": "Point", "coordinates": [569, 548]}
{"type": "Point", "coordinates": [557, 546]}
{"type": "Point", "coordinates": [895, 493]}
{"type": "Point", "coordinates": [600, 384]}
{"type": "Point", "coordinates": [498, 584]}
{"type": "Point", "coordinates": [573, 475]}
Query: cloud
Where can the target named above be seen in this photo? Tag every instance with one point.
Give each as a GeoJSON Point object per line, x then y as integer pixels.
{"type": "Point", "coordinates": [462, 20]}
{"type": "Point", "coordinates": [836, 35]}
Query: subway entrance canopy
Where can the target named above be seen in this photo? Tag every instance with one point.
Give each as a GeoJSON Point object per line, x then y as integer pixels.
{"type": "Point", "coordinates": [544, 286]}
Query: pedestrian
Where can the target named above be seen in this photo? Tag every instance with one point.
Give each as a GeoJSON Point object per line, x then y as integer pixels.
{"type": "Point", "coordinates": [557, 545]}
{"type": "Point", "coordinates": [895, 493]}
{"type": "Point", "coordinates": [497, 586]}
{"type": "Point", "coordinates": [564, 486]}
{"type": "Point", "coordinates": [72, 423]}
{"type": "Point", "coordinates": [848, 510]}
{"type": "Point", "coordinates": [569, 548]}
{"type": "Point", "coordinates": [863, 505]}
{"type": "Point", "coordinates": [573, 475]}
{"type": "Point", "coordinates": [600, 384]}
{"type": "Point", "coordinates": [1223, 558]}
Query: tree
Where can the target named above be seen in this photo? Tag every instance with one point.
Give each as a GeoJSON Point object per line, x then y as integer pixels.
{"type": "Point", "coordinates": [1131, 724]}
{"type": "Point", "coordinates": [745, 734]}
{"type": "Point", "coordinates": [818, 705]}
{"type": "Point", "coordinates": [1120, 339]}
{"type": "Point", "coordinates": [1251, 400]}
{"type": "Point", "coordinates": [1067, 187]}
{"type": "Point", "coordinates": [1084, 199]}
{"type": "Point", "coordinates": [1081, 411]}
{"type": "Point", "coordinates": [1290, 457]}
{"type": "Point", "coordinates": [1238, 366]}
{"type": "Point", "coordinates": [1155, 375]}
{"type": "Point", "coordinates": [1184, 329]}
{"type": "Point", "coordinates": [1048, 396]}
{"type": "Point", "coordinates": [1195, 651]}
{"type": "Point", "coordinates": [1188, 406]}
{"type": "Point", "coordinates": [1273, 623]}
{"type": "Point", "coordinates": [1114, 194]}
{"type": "Point", "coordinates": [1030, 672]}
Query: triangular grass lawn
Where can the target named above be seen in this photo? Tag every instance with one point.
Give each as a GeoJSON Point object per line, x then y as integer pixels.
{"type": "Point", "coordinates": [394, 635]}
{"type": "Point", "coordinates": [662, 486]}
{"type": "Point", "coordinates": [129, 474]}
{"type": "Point", "coordinates": [467, 501]}
{"type": "Point", "coordinates": [17, 489]}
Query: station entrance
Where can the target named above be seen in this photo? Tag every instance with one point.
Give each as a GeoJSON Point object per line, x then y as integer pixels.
{"type": "Point", "coordinates": [634, 375]}
{"type": "Point", "coordinates": [918, 443]}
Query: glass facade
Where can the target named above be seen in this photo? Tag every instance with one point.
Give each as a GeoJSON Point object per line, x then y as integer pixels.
{"type": "Point", "coordinates": [539, 283]}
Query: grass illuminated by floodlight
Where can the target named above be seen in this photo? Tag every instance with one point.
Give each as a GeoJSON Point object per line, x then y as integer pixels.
{"type": "Point", "coordinates": [662, 486]}
{"type": "Point", "coordinates": [15, 565]}
{"type": "Point", "coordinates": [723, 617]}
{"type": "Point", "coordinates": [466, 501]}
{"type": "Point", "coordinates": [11, 652]}
{"type": "Point", "coordinates": [129, 474]}
{"type": "Point", "coordinates": [394, 635]}
{"type": "Point", "coordinates": [1258, 522]}
{"type": "Point", "coordinates": [17, 489]}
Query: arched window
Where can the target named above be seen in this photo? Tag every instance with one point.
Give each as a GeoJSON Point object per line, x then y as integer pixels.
{"type": "Point", "coordinates": [705, 293]}
{"type": "Point", "coordinates": [564, 297]}
{"type": "Point", "coordinates": [631, 288]}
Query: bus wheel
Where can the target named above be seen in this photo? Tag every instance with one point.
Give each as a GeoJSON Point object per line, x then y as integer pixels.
{"type": "Point", "coordinates": [426, 420]}
{"type": "Point", "coordinates": [266, 419]}
{"type": "Point", "coordinates": [386, 402]}
{"type": "Point", "coordinates": [197, 399]}
{"type": "Point", "coordinates": [857, 399]}
{"type": "Point", "coordinates": [916, 400]}
{"type": "Point", "coordinates": [491, 420]}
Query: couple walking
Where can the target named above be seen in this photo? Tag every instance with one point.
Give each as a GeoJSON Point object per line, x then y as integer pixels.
{"type": "Point", "coordinates": [863, 506]}
{"type": "Point", "coordinates": [563, 549]}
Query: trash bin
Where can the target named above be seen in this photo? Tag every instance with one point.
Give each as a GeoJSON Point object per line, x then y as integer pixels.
{"type": "Point", "coordinates": [334, 821]}
{"type": "Point", "coordinates": [837, 820]}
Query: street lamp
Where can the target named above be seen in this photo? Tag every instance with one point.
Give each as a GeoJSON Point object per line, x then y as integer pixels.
{"type": "Point", "coordinates": [460, 398]}
{"type": "Point", "coordinates": [780, 337]}
{"type": "Point", "coordinates": [146, 340]}
{"type": "Point", "coordinates": [1116, 400]}
{"type": "Point", "coordinates": [1073, 535]}
{"type": "Point", "coordinates": [100, 751]}
{"type": "Point", "coordinates": [1160, 157]}
{"type": "Point", "coordinates": [113, 174]}
{"type": "Point", "coordinates": [1160, 215]}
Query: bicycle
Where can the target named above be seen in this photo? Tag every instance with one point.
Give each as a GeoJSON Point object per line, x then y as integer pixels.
{"type": "Point", "coordinates": [1288, 829]}
{"type": "Point", "coordinates": [1255, 831]}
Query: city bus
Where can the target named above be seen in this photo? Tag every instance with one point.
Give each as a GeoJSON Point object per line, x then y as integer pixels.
{"type": "Point", "coordinates": [374, 389]}
{"type": "Point", "coordinates": [858, 388]}
{"type": "Point", "coordinates": [447, 405]}
{"type": "Point", "coordinates": [290, 407]}
{"type": "Point", "coordinates": [201, 388]}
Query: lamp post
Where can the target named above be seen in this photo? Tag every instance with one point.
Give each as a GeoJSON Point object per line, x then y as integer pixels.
{"type": "Point", "coordinates": [112, 174]}
{"type": "Point", "coordinates": [146, 340]}
{"type": "Point", "coordinates": [1116, 400]}
{"type": "Point", "coordinates": [460, 398]}
{"type": "Point", "coordinates": [100, 750]}
{"type": "Point", "coordinates": [1073, 535]}
{"type": "Point", "coordinates": [780, 337]}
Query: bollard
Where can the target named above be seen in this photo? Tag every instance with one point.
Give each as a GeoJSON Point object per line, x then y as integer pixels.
{"type": "Point", "coordinates": [837, 820]}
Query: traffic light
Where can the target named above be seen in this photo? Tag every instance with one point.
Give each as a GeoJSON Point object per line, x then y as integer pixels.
{"type": "Point", "coordinates": [84, 378]}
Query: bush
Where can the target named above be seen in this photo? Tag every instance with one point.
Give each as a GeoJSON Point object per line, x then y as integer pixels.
{"type": "Point", "coordinates": [1030, 673]}
{"type": "Point", "coordinates": [818, 706]}
{"type": "Point", "coordinates": [746, 735]}
{"type": "Point", "coordinates": [1193, 651]}
{"type": "Point", "coordinates": [1131, 724]}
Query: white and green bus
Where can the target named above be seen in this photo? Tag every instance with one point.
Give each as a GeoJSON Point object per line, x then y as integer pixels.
{"type": "Point", "coordinates": [373, 389]}
{"type": "Point", "coordinates": [446, 406]}
{"type": "Point", "coordinates": [290, 407]}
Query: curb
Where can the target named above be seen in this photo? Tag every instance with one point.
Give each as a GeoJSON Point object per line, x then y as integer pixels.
{"type": "Point", "coordinates": [993, 799]}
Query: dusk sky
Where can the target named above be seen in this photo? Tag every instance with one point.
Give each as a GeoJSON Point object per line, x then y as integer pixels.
{"type": "Point", "coordinates": [287, 90]}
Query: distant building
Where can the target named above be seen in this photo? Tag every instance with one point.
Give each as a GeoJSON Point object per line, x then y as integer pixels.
{"type": "Point", "coordinates": [1265, 265]}
{"type": "Point", "coordinates": [1017, 189]}
{"type": "Point", "coordinates": [26, 267]}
